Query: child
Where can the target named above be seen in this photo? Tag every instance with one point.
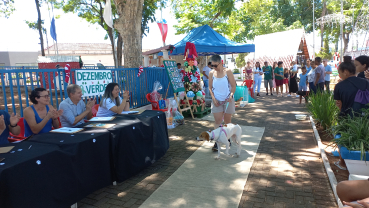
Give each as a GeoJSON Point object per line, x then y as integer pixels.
{"type": "Point", "coordinates": [278, 72]}
{"type": "Point", "coordinates": [285, 79]}
{"type": "Point", "coordinates": [303, 80]}
{"type": "Point", "coordinates": [311, 77]}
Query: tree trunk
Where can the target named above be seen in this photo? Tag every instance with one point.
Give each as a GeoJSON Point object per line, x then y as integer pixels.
{"type": "Point", "coordinates": [39, 27]}
{"type": "Point", "coordinates": [324, 10]}
{"type": "Point", "coordinates": [346, 39]}
{"type": "Point", "coordinates": [119, 50]}
{"type": "Point", "coordinates": [129, 26]}
{"type": "Point", "coordinates": [111, 38]}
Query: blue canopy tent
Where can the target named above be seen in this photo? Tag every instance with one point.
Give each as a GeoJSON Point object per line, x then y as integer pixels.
{"type": "Point", "coordinates": [208, 42]}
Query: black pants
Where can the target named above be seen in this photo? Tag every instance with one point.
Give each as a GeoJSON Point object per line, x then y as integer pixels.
{"type": "Point", "coordinates": [320, 87]}
{"type": "Point", "coordinates": [327, 85]}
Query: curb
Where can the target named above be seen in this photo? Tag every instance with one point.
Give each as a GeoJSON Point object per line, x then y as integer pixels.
{"type": "Point", "coordinates": [328, 169]}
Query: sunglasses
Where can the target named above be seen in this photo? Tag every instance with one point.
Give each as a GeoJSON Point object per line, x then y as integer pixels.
{"type": "Point", "coordinates": [45, 96]}
{"type": "Point", "coordinates": [214, 66]}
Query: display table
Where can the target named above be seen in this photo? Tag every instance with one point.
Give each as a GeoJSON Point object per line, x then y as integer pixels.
{"type": "Point", "coordinates": [138, 140]}
{"type": "Point", "coordinates": [60, 169]}
{"type": "Point", "coordinates": [42, 176]}
{"type": "Point", "coordinates": [89, 153]}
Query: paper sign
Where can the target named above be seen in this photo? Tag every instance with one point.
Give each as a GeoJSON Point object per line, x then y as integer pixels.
{"type": "Point", "coordinates": [93, 82]}
{"type": "Point", "coordinates": [101, 118]}
{"type": "Point", "coordinates": [6, 149]}
{"type": "Point", "coordinates": [174, 75]}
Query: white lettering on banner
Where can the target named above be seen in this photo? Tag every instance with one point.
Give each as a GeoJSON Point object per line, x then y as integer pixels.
{"type": "Point", "coordinates": [93, 82]}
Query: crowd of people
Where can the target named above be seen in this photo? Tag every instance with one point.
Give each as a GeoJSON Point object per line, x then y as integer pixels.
{"type": "Point", "coordinates": [314, 75]}
{"type": "Point", "coordinates": [42, 117]}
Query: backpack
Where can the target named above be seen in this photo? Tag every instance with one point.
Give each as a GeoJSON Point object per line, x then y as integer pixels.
{"type": "Point", "coordinates": [361, 100]}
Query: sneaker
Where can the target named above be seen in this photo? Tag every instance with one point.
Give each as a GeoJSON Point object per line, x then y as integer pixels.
{"type": "Point", "coordinates": [258, 94]}
{"type": "Point", "coordinates": [215, 147]}
{"type": "Point", "coordinates": [288, 95]}
{"type": "Point", "coordinates": [271, 94]}
{"type": "Point", "coordinates": [267, 94]}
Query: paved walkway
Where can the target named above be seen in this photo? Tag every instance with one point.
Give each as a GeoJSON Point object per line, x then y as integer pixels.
{"type": "Point", "coordinates": [287, 171]}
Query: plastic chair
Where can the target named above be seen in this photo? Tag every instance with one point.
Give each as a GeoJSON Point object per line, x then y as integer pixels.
{"type": "Point", "coordinates": [20, 136]}
{"type": "Point", "coordinates": [153, 102]}
{"type": "Point", "coordinates": [248, 83]}
{"type": "Point", "coordinates": [95, 109]}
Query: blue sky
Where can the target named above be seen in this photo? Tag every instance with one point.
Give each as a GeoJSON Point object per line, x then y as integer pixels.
{"type": "Point", "coordinates": [16, 36]}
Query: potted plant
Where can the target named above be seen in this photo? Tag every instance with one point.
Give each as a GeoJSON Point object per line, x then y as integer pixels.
{"type": "Point", "coordinates": [352, 139]}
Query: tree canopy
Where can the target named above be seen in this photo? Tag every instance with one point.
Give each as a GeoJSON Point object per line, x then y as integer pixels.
{"type": "Point", "coordinates": [6, 8]}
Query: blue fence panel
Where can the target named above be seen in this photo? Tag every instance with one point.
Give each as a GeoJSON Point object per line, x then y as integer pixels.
{"type": "Point", "coordinates": [19, 81]}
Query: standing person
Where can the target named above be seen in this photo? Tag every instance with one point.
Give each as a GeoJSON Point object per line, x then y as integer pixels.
{"type": "Point", "coordinates": [293, 87]}
{"type": "Point", "coordinates": [319, 75]}
{"type": "Point", "coordinates": [268, 77]}
{"type": "Point", "coordinates": [8, 123]}
{"type": "Point", "coordinates": [258, 77]}
{"type": "Point", "coordinates": [74, 109]}
{"type": "Point", "coordinates": [111, 103]}
{"type": "Point", "coordinates": [205, 72]}
{"type": "Point", "coordinates": [222, 86]}
{"type": "Point", "coordinates": [278, 72]}
{"type": "Point", "coordinates": [248, 71]}
{"type": "Point", "coordinates": [308, 65]}
{"type": "Point", "coordinates": [275, 64]}
{"type": "Point", "coordinates": [40, 117]}
{"type": "Point", "coordinates": [362, 65]}
{"type": "Point", "coordinates": [286, 75]}
{"type": "Point", "coordinates": [328, 72]}
{"type": "Point", "coordinates": [179, 66]}
{"type": "Point", "coordinates": [303, 79]}
{"type": "Point", "coordinates": [311, 77]}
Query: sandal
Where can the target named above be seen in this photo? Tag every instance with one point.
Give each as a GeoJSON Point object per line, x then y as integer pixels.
{"type": "Point", "coordinates": [337, 163]}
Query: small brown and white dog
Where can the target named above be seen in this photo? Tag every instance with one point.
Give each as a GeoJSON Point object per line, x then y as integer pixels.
{"type": "Point", "coordinates": [221, 136]}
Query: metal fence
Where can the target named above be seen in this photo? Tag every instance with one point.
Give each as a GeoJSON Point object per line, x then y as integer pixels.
{"type": "Point", "coordinates": [17, 83]}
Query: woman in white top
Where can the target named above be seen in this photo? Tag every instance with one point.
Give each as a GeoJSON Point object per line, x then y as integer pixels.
{"type": "Point", "coordinates": [222, 86]}
{"type": "Point", "coordinates": [258, 77]}
{"type": "Point", "coordinates": [111, 103]}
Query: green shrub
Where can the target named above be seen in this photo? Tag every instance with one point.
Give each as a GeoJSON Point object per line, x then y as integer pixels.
{"type": "Point", "coordinates": [354, 132]}
{"type": "Point", "coordinates": [236, 71]}
{"type": "Point", "coordinates": [323, 109]}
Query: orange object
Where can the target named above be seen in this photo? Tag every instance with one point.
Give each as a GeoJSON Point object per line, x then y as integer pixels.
{"type": "Point", "coordinates": [20, 136]}
{"type": "Point", "coordinates": [95, 109]}
{"type": "Point", "coordinates": [155, 107]}
{"type": "Point", "coordinates": [249, 83]}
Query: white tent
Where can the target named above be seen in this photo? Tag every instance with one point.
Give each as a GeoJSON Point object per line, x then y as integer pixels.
{"type": "Point", "coordinates": [281, 46]}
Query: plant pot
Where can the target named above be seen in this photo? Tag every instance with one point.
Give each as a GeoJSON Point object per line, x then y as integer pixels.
{"type": "Point", "coordinates": [357, 167]}
{"type": "Point", "coordinates": [352, 155]}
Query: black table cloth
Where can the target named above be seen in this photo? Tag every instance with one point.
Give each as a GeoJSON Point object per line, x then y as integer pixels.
{"type": "Point", "coordinates": [138, 141]}
{"type": "Point", "coordinates": [41, 176]}
{"type": "Point", "coordinates": [89, 153]}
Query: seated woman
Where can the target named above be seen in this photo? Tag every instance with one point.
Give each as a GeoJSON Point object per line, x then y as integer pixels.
{"type": "Point", "coordinates": [8, 123]}
{"type": "Point", "coordinates": [111, 103]}
{"type": "Point", "coordinates": [40, 117]}
{"type": "Point", "coordinates": [356, 190]}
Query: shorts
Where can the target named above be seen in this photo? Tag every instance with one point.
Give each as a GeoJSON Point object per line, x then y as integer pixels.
{"type": "Point", "coordinates": [268, 82]}
{"type": "Point", "coordinates": [302, 88]}
{"type": "Point", "coordinates": [278, 82]}
{"type": "Point", "coordinates": [285, 81]}
{"type": "Point", "coordinates": [230, 110]}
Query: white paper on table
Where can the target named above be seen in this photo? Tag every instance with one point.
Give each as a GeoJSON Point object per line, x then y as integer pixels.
{"type": "Point", "coordinates": [67, 130]}
{"type": "Point", "coordinates": [102, 118]}
{"type": "Point", "coordinates": [129, 112]}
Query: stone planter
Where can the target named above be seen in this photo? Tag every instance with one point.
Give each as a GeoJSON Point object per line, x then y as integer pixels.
{"type": "Point", "coordinates": [354, 163]}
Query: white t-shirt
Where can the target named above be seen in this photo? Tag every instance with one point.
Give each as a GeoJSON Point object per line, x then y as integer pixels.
{"type": "Point", "coordinates": [207, 70]}
{"type": "Point", "coordinates": [311, 75]}
{"type": "Point", "coordinates": [104, 110]}
{"type": "Point", "coordinates": [257, 76]}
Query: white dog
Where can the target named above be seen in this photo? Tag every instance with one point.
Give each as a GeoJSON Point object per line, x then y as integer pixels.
{"type": "Point", "coordinates": [221, 136]}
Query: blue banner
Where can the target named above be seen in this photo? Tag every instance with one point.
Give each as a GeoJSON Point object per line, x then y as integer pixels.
{"type": "Point", "coordinates": [52, 29]}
